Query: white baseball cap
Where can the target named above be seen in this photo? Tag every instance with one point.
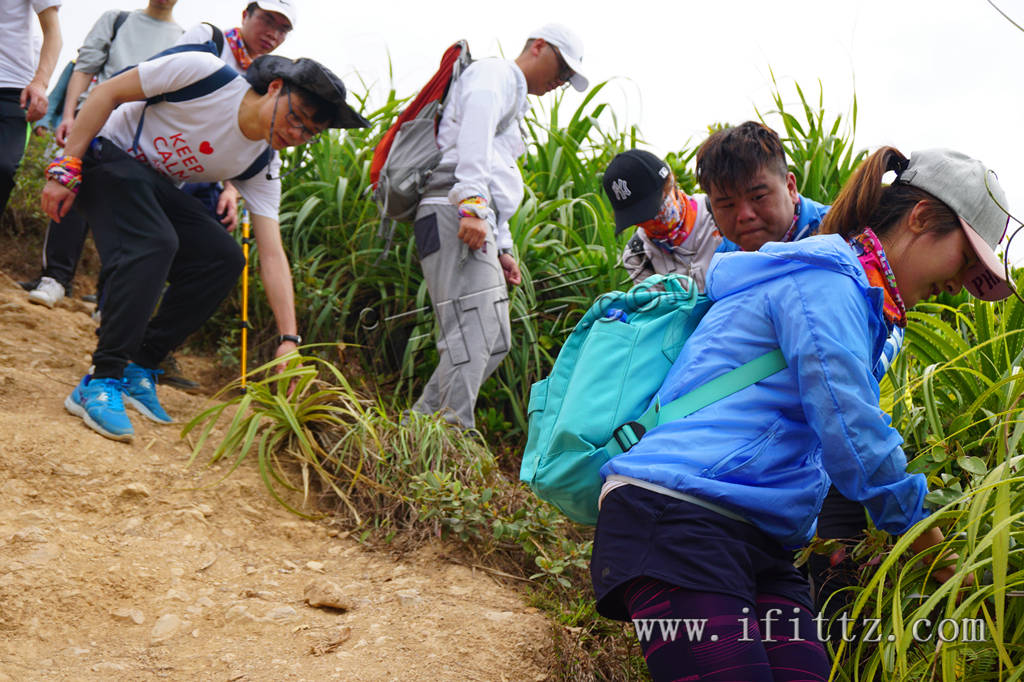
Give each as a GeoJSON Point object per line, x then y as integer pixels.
{"type": "Point", "coordinates": [285, 7]}
{"type": "Point", "coordinates": [569, 46]}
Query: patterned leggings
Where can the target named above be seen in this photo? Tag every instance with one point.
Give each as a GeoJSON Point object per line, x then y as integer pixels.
{"type": "Point", "coordinates": [775, 642]}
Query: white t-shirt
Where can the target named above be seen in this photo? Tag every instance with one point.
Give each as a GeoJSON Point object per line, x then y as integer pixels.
{"type": "Point", "coordinates": [197, 140]}
{"type": "Point", "coordinates": [17, 58]}
{"type": "Point", "coordinates": [200, 33]}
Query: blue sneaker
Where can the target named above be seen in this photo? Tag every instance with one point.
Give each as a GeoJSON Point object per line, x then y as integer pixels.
{"type": "Point", "coordinates": [98, 402]}
{"type": "Point", "coordinates": [139, 386]}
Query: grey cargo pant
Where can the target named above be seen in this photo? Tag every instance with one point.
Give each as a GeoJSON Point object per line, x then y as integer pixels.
{"type": "Point", "coordinates": [470, 302]}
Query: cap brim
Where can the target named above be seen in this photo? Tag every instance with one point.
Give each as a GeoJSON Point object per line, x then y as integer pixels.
{"type": "Point", "coordinates": [577, 79]}
{"type": "Point", "coordinates": [637, 213]}
{"type": "Point", "coordinates": [579, 83]}
{"type": "Point", "coordinates": [986, 279]}
{"type": "Point", "coordinates": [347, 117]}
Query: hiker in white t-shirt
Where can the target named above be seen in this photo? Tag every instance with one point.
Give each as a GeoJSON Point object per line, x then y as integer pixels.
{"type": "Point", "coordinates": [125, 165]}
{"type": "Point", "coordinates": [25, 72]}
{"type": "Point", "coordinates": [265, 25]}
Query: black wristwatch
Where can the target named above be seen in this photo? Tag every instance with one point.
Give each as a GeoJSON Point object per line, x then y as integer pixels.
{"type": "Point", "coordinates": [294, 338]}
{"type": "Point", "coordinates": [505, 252]}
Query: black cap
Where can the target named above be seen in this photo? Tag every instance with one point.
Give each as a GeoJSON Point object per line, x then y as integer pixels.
{"type": "Point", "coordinates": [634, 182]}
{"type": "Point", "coordinates": [312, 76]}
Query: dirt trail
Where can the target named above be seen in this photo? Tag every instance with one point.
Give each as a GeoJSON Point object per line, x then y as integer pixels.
{"type": "Point", "coordinates": [114, 566]}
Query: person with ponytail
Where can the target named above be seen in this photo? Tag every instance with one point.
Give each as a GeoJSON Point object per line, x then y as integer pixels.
{"type": "Point", "coordinates": [698, 520]}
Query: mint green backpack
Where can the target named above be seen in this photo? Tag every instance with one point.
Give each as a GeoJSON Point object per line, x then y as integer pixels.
{"type": "Point", "coordinates": [596, 403]}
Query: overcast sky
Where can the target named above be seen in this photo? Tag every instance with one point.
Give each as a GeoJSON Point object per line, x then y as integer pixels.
{"type": "Point", "coordinates": [927, 73]}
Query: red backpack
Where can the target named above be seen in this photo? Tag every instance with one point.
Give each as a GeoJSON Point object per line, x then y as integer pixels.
{"type": "Point", "coordinates": [408, 152]}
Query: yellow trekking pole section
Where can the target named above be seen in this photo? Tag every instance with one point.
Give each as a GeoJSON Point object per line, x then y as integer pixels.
{"type": "Point", "coordinates": [245, 293]}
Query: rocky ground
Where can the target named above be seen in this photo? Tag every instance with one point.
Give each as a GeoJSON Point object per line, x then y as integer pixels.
{"type": "Point", "coordinates": [119, 562]}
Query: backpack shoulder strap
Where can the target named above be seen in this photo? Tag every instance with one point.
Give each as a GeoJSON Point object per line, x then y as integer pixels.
{"type": "Point", "coordinates": [216, 37]}
{"type": "Point", "coordinates": [261, 162]}
{"type": "Point", "coordinates": [203, 86]}
{"type": "Point", "coordinates": [762, 367]}
{"type": "Point", "coordinates": [118, 21]}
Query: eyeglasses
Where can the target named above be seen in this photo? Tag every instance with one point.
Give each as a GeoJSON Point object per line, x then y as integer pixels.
{"type": "Point", "coordinates": [565, 72]}
{"type": "Point", "coordinates": [295, 122]}
{"type": "Point", "coordinates": [271, 25]}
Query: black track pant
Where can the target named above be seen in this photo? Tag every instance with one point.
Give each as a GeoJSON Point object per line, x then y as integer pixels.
{"type": "Point", "coordinates": [148, 232]}
{"type": "Point", "coordinates": [13, 128]}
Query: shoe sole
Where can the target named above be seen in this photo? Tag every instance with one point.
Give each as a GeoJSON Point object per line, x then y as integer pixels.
{"type": "Point", "coordinates": [41, 301]}
{"type": "Point", "coordinates": [186, 385]}
{"type": "Point", "coordinates": [79, 411]}
{"type": "Point", "coordinates": [143, 410]}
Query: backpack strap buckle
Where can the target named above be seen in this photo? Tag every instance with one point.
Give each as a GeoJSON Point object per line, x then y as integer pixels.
{"type": "Point", "coordinates": [628, 435]}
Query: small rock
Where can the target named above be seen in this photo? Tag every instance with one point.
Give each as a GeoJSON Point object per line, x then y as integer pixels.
{"type": "Point", "coordinates": [166, 627]}
{"type": "Point", "coordinates": [204, 602]}
{"type": "Point", "coordinates": [177, 595]}
{"type": "Point", "coordinates": [290, 564]}
{"type": "Point", "coordinates": [317, 566]}
{"type": "Point", "coordinates": [499, 616]}
{"type": "Point", "coordinates": [410, 596]}
{"type": "Point", "coordinates": [133, 615]}
{"type": "Point", "coordinates": [135, 490]}
{"type": "Point", "coordinates": [32, 534]}
{"type": "Point", "coordinates": [44, 554]}
{"type": "Point", "coordinates": [249, 570]}
{"type": "Point", "coordinates": [236, 611]}
{"type": "Point", "coordinates": [281, 613]}
{"type": "Point", "coordinates": [108, 666]}
{"type": "Point", "coordinates": [323, 593]}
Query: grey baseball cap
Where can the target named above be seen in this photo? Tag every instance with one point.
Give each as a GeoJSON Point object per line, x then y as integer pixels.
{"type": "Point", "coordinates": [973, 192]}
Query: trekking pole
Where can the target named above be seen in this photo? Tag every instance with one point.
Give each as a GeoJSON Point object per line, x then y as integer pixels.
{"type": "Point", "coordinates": [245, 292]}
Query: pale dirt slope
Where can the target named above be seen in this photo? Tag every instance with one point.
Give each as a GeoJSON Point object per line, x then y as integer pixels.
{"type": "Point", "coordinates": [113, 568]}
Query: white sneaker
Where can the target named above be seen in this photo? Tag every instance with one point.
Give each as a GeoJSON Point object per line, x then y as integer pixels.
{"type": "Point", "coordinates": [47, 292]}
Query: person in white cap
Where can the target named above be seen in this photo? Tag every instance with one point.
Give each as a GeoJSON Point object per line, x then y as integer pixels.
{"type": "Point", "coordinates": [461, 230]}
{"type": "Point", "coordinates": [265, 25]}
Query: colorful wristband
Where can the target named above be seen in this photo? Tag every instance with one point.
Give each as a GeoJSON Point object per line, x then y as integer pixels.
{"type": "Point", "coordinates": [67, 170]}
{"type": "Point", "coordinates": [473, 207]}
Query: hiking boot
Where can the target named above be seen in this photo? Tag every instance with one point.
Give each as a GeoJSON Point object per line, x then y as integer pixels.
{"type": "Point", "coordinates": [139, 387]}
{"type": "Point", "coordinates": [47, 293]}
{"type": "Point", "coordinates": [98, 402]}
{"type": "Point", "coordinates": [174, 375]}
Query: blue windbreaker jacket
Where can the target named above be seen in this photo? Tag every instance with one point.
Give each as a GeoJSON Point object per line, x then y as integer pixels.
{"type": "Point", "coordinates": [769, 451]}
